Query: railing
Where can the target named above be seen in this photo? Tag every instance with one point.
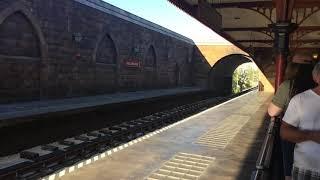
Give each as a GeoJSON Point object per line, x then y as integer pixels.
{"type": "Point", "coordinates": [267, 152]}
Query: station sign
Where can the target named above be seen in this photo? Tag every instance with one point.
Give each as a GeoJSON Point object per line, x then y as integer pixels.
{"type": "Point", "coordinates": [132, 63]}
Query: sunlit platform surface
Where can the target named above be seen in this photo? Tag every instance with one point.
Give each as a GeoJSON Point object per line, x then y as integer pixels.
{"type": "Point", "coordinates": [220, 143]}
{"type": "Point", "coordinates": [18, 110]}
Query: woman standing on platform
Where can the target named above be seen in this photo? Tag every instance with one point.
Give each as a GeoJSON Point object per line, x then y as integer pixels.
{"type": "Point", "coordinates": [299, 81]}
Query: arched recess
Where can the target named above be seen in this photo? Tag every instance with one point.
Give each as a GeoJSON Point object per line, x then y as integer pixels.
{"type": "Point", "coordinates": [150, 68]}
{"type": "Point", "coordinates": [18, 7]}
{"type": "Point", "coordinates": [106, 58]}
{"type": "Point", "coordinates": [220, 75]}
{"type": "Point", "coordinates": [22, 47]}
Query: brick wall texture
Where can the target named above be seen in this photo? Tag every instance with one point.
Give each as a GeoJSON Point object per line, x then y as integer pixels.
{"type": "Point", "coordinates": [61, 48]}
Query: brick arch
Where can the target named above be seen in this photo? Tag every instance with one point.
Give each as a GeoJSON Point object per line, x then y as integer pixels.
{"type": "Point", "coordinates": [106, 52]}
{"type": "Point", "coordinates": [150, 59]}
{"type": "Point", "coordinates": [106, 72]}
{"type": "Point", "coordinates": [18, 38]}
{"type": "Point", "coordinates": [19, 8]}
{"type": "Point", "coordinates": [23, 47]}
{"type": "Point", "coordinates": [150, 68]}
{"type": "Point", "coordinates": [106, 36]}
{"type": "Point", "coordinates": [220, 75]}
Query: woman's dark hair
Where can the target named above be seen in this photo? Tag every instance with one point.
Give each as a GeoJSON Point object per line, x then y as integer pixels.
{"type": "Point", "coordinates": [303, 80]}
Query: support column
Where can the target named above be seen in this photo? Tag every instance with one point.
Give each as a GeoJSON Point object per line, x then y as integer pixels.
{"type": "Point", "coordinates": [282, 32]}
{"type": "Point", "coordinates": [280, 69]}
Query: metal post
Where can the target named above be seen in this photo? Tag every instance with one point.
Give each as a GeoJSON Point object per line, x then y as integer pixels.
{"type": "Point", "coordinates": [280, 69]}
{"type": "Point", "coordinates": [282, 32]}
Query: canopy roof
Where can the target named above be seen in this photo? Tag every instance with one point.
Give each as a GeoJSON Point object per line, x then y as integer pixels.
{"type": "Point", "coordinates": [246, 22]}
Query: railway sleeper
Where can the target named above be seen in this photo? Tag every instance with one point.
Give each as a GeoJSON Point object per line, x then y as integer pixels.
{"type": "Point", "coordinates": [66, 143]}
{"type": "Point", "coordinates": [49, 147]}
{"type": "Point", "coordinates": [38, 167]}
{"type": "Point", "coordinates": [107, 132]}
{"type": "Point", "coordinates": [94, 134]}
{"type": "Point", "coordinates": [29, 155]}
{"type": "Point", "coordinates": [82, 138]}
{"type": "Point", "coordinates": [10, 172]}
{"type": "Point", "coordinates": [43, 165]}
{"type": "Point", "coordinates": [117, 128]}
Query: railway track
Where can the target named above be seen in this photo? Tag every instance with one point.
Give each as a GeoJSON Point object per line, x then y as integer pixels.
{"type": "Point", "coordinates": [43, 160]}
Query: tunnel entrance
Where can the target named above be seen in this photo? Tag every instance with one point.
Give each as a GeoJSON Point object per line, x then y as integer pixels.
{"type": "Point", "coordinates": [246, 76]}
{"type": "Point", "coordinates": [220, 78]}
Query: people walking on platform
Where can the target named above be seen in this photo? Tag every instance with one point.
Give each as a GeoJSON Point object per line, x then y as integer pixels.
{"type": "Point", "coordinates": [301, 125]}
{"type": "Point", "coordinates": [299, 79]}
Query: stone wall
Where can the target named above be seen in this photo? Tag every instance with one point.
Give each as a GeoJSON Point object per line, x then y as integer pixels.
{"type": "Point", "coordinates": [67, 48]}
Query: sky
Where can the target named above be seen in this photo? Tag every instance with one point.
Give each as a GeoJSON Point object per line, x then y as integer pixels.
{"type": "Point", "coordinates": [169, 16]}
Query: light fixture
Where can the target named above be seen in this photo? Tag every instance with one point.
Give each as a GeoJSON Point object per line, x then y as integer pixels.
{"type": "Point", "coordinates": [315, 56]}
{"type": "Point", "coordinates": [136, 49]}
{"type": "Point", "coordinates": [77, 37]}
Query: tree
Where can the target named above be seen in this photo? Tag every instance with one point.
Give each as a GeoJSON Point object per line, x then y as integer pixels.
{"type": "Point", "coordinates": [244, 77]}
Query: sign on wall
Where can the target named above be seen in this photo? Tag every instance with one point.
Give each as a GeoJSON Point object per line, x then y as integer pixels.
{"type": "Point", "coordinates": [132, 63]}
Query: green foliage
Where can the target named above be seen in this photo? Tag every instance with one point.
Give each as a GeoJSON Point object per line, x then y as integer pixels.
{"type": "Point", "coordinates": [244, 77]}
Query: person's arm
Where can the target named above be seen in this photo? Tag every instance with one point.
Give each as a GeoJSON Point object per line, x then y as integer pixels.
{"type": "Point", "coordinates": [293, 134]}
{"type": "Point", "coordinates": [279, 101]}
{"type": "Point", "coordinates": [274, 110]}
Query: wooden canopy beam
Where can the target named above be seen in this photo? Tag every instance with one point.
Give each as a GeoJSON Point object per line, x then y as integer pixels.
{"type": "Point", "coordinates": [247, 29]}
{"type": "Point", "coordinates": [301, 28]}
{"type": "Point", "coordinates": [266, 4]}
{"type": "Point", "coordinates": [271, 41]}
{"type": "Point", "coordinates": [183, 5]}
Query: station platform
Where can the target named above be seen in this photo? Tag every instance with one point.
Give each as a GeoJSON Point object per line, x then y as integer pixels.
{"type": "Point", "coordinates": [10, 113]}
{"type": "Point", "coordinates": [220, 143]}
